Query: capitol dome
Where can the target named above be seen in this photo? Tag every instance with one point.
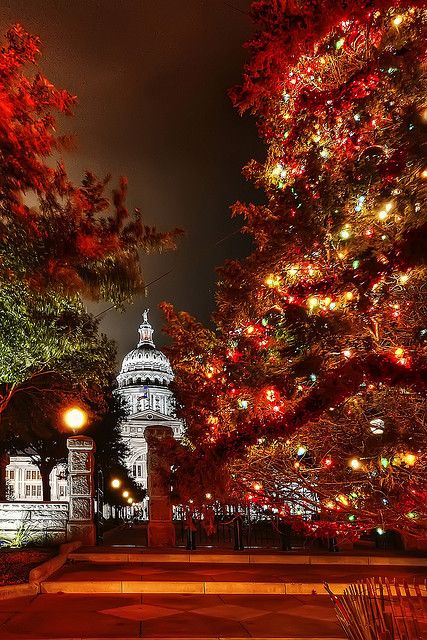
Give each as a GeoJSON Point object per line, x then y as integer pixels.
{"type": "Point", "coordinates": [145, 365]}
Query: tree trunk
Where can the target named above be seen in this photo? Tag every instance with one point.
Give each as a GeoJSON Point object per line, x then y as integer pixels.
{"type": "Point", "coordinates": [45, 473]}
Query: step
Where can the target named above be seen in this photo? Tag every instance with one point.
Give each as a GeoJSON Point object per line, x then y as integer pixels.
{"type": "Point", "coordinates": [113, 555]}
{"type": "Point", "coordinates": [213, 579]}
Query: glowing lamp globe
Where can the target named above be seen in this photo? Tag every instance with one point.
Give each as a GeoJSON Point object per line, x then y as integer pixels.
{"type": "Point", "coordinates": [125, 494]}
{"type": "Point", "coordinates": [75, 418]}
{"type": "Point", "coordinates": [130, 500]}
{"type": "Point", "coordinates": [115, 483]}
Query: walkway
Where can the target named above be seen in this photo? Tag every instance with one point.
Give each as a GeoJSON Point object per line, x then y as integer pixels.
{"type": "Point", "coordinates": [128, 593]}
{"type": "Point", "coordinates": [168, 616]}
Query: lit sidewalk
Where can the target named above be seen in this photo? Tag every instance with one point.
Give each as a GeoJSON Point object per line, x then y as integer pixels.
{"type": "Point", "coordinates": [168, 616]}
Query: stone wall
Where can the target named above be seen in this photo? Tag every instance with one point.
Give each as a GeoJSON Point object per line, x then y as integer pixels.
{"type": "Point", "coordinates": [42, 523]}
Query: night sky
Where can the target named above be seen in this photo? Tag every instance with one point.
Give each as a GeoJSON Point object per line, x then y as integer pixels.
{"type": "Point", "coordinates": [151, 78]}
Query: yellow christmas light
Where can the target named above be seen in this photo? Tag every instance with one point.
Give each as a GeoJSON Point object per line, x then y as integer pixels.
{"type": "Point", "coordinates": [293, 271]}
{"type": "Point", "coordinates": [272, 281]}
{"type": "Point", "coordinates": [397, 21]}
{"type": "Point", "coordinates": [355, 464]}
{"type": "Point", "coordinates": [410, 459]}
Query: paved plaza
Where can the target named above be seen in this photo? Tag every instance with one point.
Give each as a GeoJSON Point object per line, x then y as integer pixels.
{"type": "Point", "coordinates": [167, 616]}
{"type": "Point", "coordinates": [209, 600]}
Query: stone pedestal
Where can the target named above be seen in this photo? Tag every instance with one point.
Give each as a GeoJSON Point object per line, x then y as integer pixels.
{"type": "Point", "coordinates": [81, 525]}
{"type": "Point", "coordinates": [161, 530]}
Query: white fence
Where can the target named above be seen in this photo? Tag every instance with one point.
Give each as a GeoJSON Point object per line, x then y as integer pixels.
{"type": "Point", "coordinates": [42, 523]}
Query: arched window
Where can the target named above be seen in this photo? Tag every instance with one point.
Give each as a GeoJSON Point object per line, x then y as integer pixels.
{"type": "Point", "coordinates": [139, 468]}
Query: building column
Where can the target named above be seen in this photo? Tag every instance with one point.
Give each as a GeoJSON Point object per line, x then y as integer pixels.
{"type": "Point", "coordinates": [81, 525]}
{"type": "Point", "coordinates": [4, 461]}
{"type": "Point", "coordinates": [161, 530]}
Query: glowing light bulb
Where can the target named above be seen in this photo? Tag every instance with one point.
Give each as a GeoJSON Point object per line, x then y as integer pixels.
{"type": "Point", "coordinates": [404, 278]}
{"type": "Point", "coordinates": [293, 271]}
{"type": "Point", "coordinates": [388, 206]}
{"type": "Point", "coordinates": [125, 494]}
{"type": "Point", "coordinates": [312, 302]}
{"type": "Point", "coordinates": [349, 295]}
{"type": "Point", "coordinates": [382, 214]}
{"type": "Point", "coordinates": [339, 43]}
{"type": "Point", "coordinates": [208, 496]}
{"type": "Point", "coordinates": [399, 352]}
{"type": "Point", "coordinates": [75, 418]}
{"type": "Point", "coordinates": [270, 395]}
{"type": "Point", "coordinates": [424, 174]}
{"type": "Point", "coordinates": [257, 486]}
{"type": "Point", "coordinates": [410, 459]}
{"type": "Point", "coordinates": [301, 451]}
{"type": "Point", "coordinates": [380, 531]}
{"type": "Point", "coordinates": [345, 234]}
{"type": "Point", "coordinates": [397, 21]}
{"type": "Point", "coordinates": [272, 281]}
{"type": "Point", "coordinates": [115, 483]}
{"type": "Point", "coordinates": [355, 464]}
{"type": "Point", "coordinates": [130, 500]}
{"type": "Point", "coordinates": [346, 353]}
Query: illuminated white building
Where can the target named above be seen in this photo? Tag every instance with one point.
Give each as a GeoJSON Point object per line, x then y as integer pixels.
{"type": "Point", "coordinates": [23, 481]}
{"type": "Point", "coordinates": [143, 382]}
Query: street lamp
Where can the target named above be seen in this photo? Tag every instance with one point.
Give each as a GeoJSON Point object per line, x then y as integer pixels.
{"type": "Point", "coordinates": [130, 500]}
{"type": "Point", "coordinates": [115, 483]}
{"type": "Point", "coordinates": [75, 418]}
{"type": "Point", "coordinates": [125, 494]}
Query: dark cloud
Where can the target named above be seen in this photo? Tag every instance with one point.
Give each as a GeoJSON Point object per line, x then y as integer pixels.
{"type": "Point", "coordinates": [151, 77]}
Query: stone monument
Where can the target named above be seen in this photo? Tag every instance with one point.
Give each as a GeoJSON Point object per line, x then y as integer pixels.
{"type": "Point", "coordinates": [81, 525]}
{"type": "Point", "coordinates": [161, 530]}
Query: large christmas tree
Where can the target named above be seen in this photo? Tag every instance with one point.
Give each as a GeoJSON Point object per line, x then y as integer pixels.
{"type": "Point", "coordinates": [309, 398]}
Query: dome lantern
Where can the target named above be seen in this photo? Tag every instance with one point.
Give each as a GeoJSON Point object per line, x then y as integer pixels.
{"type": "Point", "coordinates": [145, 331]}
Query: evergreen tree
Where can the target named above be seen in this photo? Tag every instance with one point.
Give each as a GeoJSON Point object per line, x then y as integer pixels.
{"type": "Point", "coordinates": [309, 397]}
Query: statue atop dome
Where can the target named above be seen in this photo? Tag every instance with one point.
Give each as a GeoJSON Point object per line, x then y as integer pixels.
{"type": "Point", "coordinates": [145, 331]}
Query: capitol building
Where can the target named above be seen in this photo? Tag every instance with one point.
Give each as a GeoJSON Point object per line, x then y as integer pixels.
{"type": "Point", "coordinates": [143, 382]}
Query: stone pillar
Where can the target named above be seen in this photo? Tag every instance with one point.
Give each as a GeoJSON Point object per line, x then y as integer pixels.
{"type": "Point", "coordinates": [4, 461]}
{"type": "Point", "coordinates": [161, 530]}
{"type": "Point", "coordinates": [81, 525]}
